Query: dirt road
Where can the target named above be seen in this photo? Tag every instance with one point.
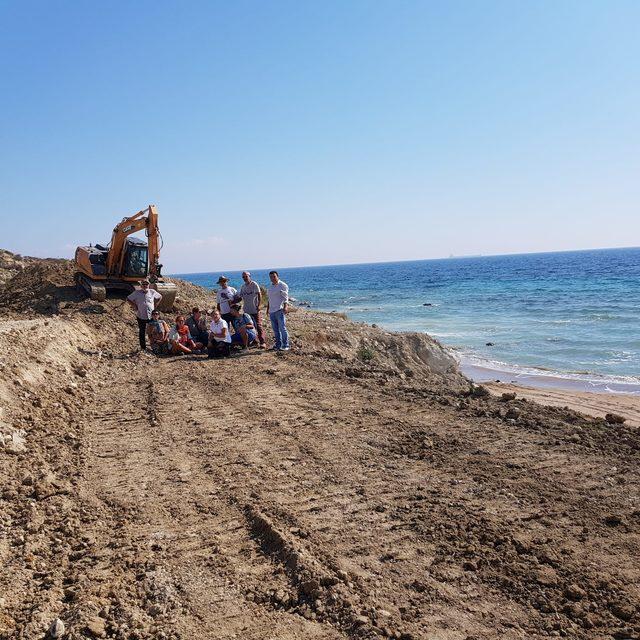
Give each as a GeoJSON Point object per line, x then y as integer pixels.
{"type": "Point", "coordinates": [301, 495]}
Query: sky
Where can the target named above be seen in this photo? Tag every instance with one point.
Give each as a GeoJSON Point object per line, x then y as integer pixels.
{"type": "Point", "coordinates": [275, 134]}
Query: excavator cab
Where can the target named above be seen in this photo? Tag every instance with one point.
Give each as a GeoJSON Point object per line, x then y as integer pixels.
{"type": "Point", "coordinates": [125, 260]}
{"type": "Point", "coordinates": [136, 258]}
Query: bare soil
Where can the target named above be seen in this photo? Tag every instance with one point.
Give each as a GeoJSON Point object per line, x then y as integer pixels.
{"type": "Point", "coordinates": [355, 487]}
{"type": "Point", "coordinates": [593, 404]}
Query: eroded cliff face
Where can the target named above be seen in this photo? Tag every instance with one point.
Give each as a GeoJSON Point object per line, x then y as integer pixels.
{"type": "Point", "coordinates": [370, 351]}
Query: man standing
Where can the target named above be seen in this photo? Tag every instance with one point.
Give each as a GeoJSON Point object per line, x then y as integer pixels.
{"type": "Point", "coordinates": [277, 303]}
{"type": "Point", "coordinates": [144, 301]}
{"type": "Point", "coordinates": [252, 299]}
{"type": "Point", "coordinates": [226, 297]}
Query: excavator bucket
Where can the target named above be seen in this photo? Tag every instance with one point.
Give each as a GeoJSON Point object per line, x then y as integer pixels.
{"type": "Point", "coordinates": [168, 291]}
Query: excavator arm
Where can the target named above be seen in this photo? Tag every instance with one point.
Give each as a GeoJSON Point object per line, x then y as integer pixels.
{"type": "Point", "coordinates": [122, 230]}
{"type": "Point", "coordinates": [153, 233]}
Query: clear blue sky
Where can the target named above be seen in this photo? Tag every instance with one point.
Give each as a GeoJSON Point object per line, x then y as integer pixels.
{"type": "Point", "coordinates": [297, 133]}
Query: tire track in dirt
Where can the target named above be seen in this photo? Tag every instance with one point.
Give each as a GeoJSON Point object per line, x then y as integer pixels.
{"type": "Point", "coordinates": [322, 506]}
{"type": "Point", "coordinates": [307, 476]}
{"type": "Point", "coordinates": [183, 519]}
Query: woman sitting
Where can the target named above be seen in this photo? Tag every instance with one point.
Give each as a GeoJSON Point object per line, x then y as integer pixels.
{"type": "Point", "coordinates": [219, 337]}
{"type": "Point", "coordinates": [180, 338]}
{"type": "Point", "coordinates": [158, 334]}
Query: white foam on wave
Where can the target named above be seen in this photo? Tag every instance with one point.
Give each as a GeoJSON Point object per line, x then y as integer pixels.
{"type": "Point", "coordinates": [483, 370]}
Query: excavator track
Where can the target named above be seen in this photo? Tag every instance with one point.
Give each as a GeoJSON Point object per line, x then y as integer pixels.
{"type": "Point", "coordinates": [95, 290]}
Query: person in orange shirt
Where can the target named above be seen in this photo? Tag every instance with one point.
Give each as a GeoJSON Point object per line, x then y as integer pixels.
{"type": "Point", "coordinates": [180, 338]}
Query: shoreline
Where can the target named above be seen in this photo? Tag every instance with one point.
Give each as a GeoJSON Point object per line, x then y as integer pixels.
{"type": "Point", "coordinates": [588, 397]}
{"type": "Point", "coordinates": [551, 381]}
{"type": "Point", "coordinates": [588, 402]}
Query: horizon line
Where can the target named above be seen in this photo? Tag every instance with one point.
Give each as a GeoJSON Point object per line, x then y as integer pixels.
{"type": "Point", "coordinates": [451, 257]}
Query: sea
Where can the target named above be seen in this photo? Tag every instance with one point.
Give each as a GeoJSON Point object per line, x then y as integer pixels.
{"type": "Point", "coordinates": [564, 319]}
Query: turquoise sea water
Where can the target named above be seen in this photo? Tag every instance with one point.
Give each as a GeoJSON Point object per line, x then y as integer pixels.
{"type": "Point", "coordinates": [573, 316]}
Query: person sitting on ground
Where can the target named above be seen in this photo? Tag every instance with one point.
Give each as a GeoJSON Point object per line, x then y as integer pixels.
{"type": "Point", "coordinates": [197, 323]}
{"type": "Point", "coordinates": [158, 334]}
{"type": "Point", "coordinates": [219, 337]}
{"type": "Point", "coordinates": [180, 338]}
{"type": "Point", "coordinates": [245, 331]}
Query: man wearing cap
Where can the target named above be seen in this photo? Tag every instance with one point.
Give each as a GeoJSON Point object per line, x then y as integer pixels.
{"type": "Point", "coordinates": [144, 300]}
{"type": "Point", "coordinates": [226, 297]}
{"type": "Point", "coordinates": [251, 300]}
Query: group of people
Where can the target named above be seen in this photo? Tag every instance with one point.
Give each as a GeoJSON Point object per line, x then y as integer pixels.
{"type": "Point", "coordinates": [236, 319]}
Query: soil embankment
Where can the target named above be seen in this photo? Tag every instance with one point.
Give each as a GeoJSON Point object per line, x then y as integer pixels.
{"type": "Point", "coordinates": [351, 488]}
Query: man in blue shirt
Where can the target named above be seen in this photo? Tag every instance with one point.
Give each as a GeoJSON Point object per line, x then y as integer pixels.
{"type": "Point", "coordinates": [245, 332]}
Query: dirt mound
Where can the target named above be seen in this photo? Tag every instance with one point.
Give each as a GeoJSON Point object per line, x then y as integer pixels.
{"type": "Point", "coordinates": [37, 353]}
{"type": "Point", "coordinates": [40, 287]}
{"type": "Point", "coordinates": [12, 263]}
{"type": "Point", "coordinates": [46, 289]}
{"type": "Point", "coordinates": [368, 351]}
{"type": "Point", "coordinates": [47, 286]}
{"type": "Point", "coordinates": [191, 295]}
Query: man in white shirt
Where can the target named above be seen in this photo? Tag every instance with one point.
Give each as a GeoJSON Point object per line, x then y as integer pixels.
{"type": "Point", "coordinates": [277, 304]}
{"type": "Point", "coordinates": [226, 297]}
{"type": "Point", "coordinates": [219, 337]}
{"type": "Point", "coordinates": [144, 301]}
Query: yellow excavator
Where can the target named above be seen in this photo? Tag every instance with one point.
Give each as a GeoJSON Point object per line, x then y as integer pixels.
{"type": "Point", "coordinates": [125, 260]}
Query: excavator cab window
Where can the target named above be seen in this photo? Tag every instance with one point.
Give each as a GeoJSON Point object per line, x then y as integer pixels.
{"type": "Point", "coordinates": [136, 263]}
